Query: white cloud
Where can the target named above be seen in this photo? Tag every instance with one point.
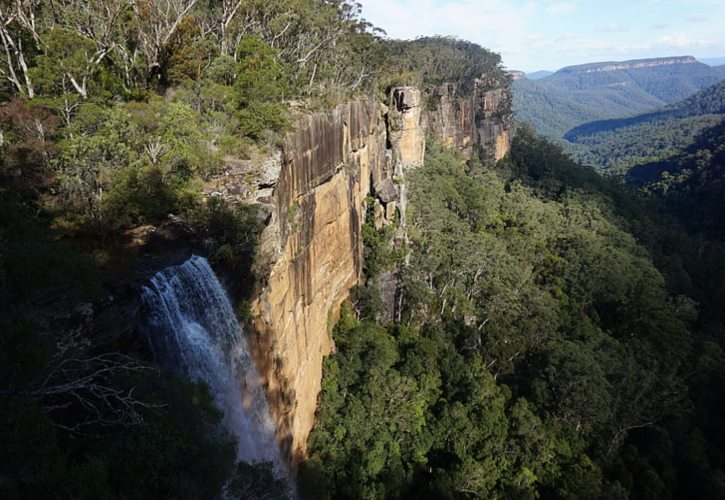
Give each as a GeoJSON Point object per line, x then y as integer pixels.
{"type": "Point", "coordinates": [613, 28]}
{"type": "Point", "coordinates": [536, 34]}
{"type": "Point", "coordinates": [562, 8]}
{"type": "Point", "coordinates": [499, 25]}
{"type": "Point", "coordinates": [681, 41]}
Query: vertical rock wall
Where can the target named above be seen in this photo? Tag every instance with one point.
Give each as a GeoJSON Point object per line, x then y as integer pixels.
{"type": "Point", "coordinates": [406, 127]}
{"type": "Point", "coordinates": [313, 248]}
{"type": "Point", "coordinates": [310, 254]}
{"type": "Point", "coordinates": [480, 119]}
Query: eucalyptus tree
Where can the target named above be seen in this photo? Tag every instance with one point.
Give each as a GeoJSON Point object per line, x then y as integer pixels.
{"type": "Point", "coordinates": [19, 32]}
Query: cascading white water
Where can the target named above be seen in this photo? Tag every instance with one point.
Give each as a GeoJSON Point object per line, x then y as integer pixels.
{"type": "Point", "coordinates": [192, 327]}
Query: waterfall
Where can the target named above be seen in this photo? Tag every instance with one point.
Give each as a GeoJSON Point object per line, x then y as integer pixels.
{"type": "Point", "coordinates": [192, 327]}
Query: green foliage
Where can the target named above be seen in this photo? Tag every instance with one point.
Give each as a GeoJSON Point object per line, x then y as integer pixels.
{"type": "Point", "coordinates": [441, 425]}
{"type": "Point", "coordinates": [65, 60]}
{"type": "Point", "coordinates": [686, 192]}
{"type": "Point", "coordinates": [222, 70]}
{"type": "Point", "coordinates": [132, 163]}
{"type": "Point", "coordinates": [379, 251]}
{"type": "Point", "coordinates": [186, 55]}
{"type": "Point", "coordinates": [367, 302]}
{"type": "Point", "coordinates": [143, 195]}
{"type": "Point", "coordinates": [532, 320]}
{"type": "Point", "coordinates": [231, 234]}
{"type": "Point", "coordinates": [437, 60]}
{"type": "Point", "coordinates": [29, 134]}
{"type": "Point", "coordinates": [688, 188]}
{"type": "Point", "coordinates": [259, 89]}
{"type": "Point", "coordinates": [619, 145]}
{"type": "Point", "coordinates": [260, 76]}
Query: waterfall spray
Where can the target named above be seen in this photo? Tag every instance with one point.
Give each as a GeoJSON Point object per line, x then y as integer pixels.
{"type": "Point", "coordinates": [192, 328]}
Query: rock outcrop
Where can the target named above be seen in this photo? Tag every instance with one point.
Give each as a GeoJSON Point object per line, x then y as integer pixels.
{"type": "Point", "coordinates": [310, 254]}
{"type": "Point", "coordinates": [480, 119]}
{"type": "Point", "coordinates": [405, 126]}
{"type": "Point", "coordinates": [516, 75]}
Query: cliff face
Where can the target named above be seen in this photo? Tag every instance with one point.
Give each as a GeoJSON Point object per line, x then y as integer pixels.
{"type": "Point", "coordinates": [314, 247]}
{"type": "Point", "coordinates": [311, 251]}
{"type": "Point", "coordinates": [481, 119]}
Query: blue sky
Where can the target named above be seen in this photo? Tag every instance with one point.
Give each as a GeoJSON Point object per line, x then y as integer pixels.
{"type": "Point", "coordinates": [533, 35]}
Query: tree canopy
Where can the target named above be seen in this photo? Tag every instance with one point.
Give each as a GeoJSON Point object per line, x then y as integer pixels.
{"type": "Point", "coordinates": [541, 352]}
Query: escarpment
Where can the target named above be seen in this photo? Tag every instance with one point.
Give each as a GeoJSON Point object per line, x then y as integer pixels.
{"type": "Point", "coordinates": [312, 249]}
{"type": "Point", "coordinates": [479, 119]}
{"type": "Point", "coordinates": [310, 253]}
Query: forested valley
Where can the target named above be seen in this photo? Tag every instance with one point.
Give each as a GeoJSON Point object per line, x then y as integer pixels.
{"type": "Point", "coordinates": [560, 334]}
{"type": "Point", "coordinates": [613, 116]}
{"type": "Point", "coordinates": [618, 146]}
{"type": "Point", "coordinates": [576, 95]}
{"type": "Point", "coordinates": [559, 340]}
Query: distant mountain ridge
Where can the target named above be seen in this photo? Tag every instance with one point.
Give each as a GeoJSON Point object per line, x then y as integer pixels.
{"type": "Point", "coordinates": [585, 93]}
{"type": "Point", "coordinates": [708, 101]}
{"type": "Point", "coordinates": [626, 65]}
{"type": "Point", "coordinates": [538, 75]}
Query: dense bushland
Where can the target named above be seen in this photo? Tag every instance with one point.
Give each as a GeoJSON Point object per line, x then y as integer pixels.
{"type": "Point", "coordinates": [540, 353]}
{"type": "Point", "coordinates": [619, 145]}
{"type": "Point", "coordinates": [557, 339]}
{"type": "Point", "coordinates": [114, 115]}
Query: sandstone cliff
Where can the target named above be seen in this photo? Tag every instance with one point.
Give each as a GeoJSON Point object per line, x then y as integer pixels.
{"type": "Point", "coordinates": [310, 254]}
{"type": "Point", "coordinates": [314, 247]}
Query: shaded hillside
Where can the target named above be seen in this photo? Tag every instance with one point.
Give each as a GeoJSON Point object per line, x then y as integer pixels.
{"type": "Point", "coordinates": [533, 318]}
{"type": "Point", "coordinates": [692, 181]}
{"type": "Point", "coordinates": [692, 188]}
{"type": "Point", "coordinates": [619, 144]}
{"type": "Point", "coordinates": [689, 191]}
{"type": "Point", "coordinates": [552, 110]}
{"type": "Point", "coordinates": [538, 75]}
{"type": "Point", "coordinates": [579, 94]}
